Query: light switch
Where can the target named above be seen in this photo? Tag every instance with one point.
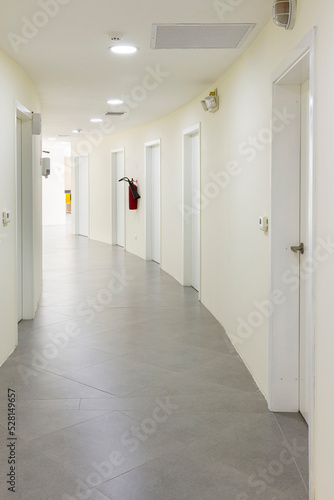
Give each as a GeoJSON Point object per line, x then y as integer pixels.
{"type": "Point", "coordinates": [5, 217]}
{"type": "Point", "coordinates": [263, 223]}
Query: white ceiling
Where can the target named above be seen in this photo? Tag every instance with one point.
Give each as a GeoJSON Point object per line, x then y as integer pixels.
{"type": "Point", "coordinates": [69, 61]}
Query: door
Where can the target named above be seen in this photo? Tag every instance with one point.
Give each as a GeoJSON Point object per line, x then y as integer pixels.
{"type": "Point", "coordinates": [191, 210]}
{"type": "Point", "coordinates": [120, 241]}
{"type": "Point", "coordinates": [83, 196]}
{"type": "Point", "coordinates": [117, 198]}
{"type": "Point", "coordinates": [292, 222]}
{"type": "Point", "coordinates": [19, 281]}
{"type": "Point", "coordinates": [304, 275]}
{"type": "Point", "coordinates": [155, 172]}
{"type": "Point", "coordinates": [195, 174]}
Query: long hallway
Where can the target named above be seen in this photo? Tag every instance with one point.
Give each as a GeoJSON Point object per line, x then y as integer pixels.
{"type": "Point", "coordinates": [127, 388]}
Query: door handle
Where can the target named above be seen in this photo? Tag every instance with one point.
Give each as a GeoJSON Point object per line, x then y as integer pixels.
{"type": "Point", "coordinates": [299, 248]}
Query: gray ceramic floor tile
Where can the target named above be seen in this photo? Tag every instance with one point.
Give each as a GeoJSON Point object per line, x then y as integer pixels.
{"type": "Point", "coordinates": [182, 383]}
{"type": "Point", "coordinates": [174, 356]}
{"type": "Point", "coordinates": [34, 423]}
{"type": "Point", "coordinates": [40, 478]}
{"type": "Point", "coordinates": [57, 404]}
{"type": "Point", "coordinates": [267, 475]}
{"type": "Point", "coordinates": [113, 443]}
{"type": "Point", "coordinates": [297, 493]}
{"type": "Point", "coordinates": [184, 426]}
{"type": "Point", "coordinates": [61, 357]}
{"type": "Point", "coordinates": [241, 435]}
{"type": "Point", "coordinates": [172, 477]}
{"type": "Point", "coordinates": [228, 370]}
{"type": "Point", "coordinates": [43, 317]}
{"type": "Point", "coordinates": [72, 328]}
{"type": "Point", "coordinates": [116, 342]}
{"type": "Point", "coordinates": [295, 430]}
{"type": "Point", "coordinates": [213, 338]}
{"type": "Point", "coordinates": [118, 376]}
{"type": "Point", "coordinates": [37, 384]}
{"type": "Point", "coordinates": [118, 404]}
{"type": "Point", "coordinates": [226, 400]}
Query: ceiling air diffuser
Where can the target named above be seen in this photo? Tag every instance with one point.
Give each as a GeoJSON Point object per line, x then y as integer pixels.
{"type": "Point", "coordinates": [199, 36]}
{"type": "Point", "coordinates": [284, 13]}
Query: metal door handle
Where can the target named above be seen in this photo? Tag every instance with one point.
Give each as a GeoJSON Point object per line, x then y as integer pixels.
{"type": "Point", "coordinates": [299, 248]}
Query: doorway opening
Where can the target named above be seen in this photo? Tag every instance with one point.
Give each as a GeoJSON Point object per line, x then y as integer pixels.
{"type": "Point", "coordinates": [117, 198]}
{"type": "Point", "coordinates": [291, 335]}
{"type": "Point", "coordinates": [153, 201]}
{"type": "Point", "coordinates": [191, 213]}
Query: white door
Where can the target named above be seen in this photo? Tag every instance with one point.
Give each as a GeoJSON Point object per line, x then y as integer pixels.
{"type": "Point", "coordinates": [83, 196]}
{"type": "Point", "coordinates": [155, 171]}
{"type": "Point", "coordinates": [19, 291]}
{"type": "Point", "coordinates": [118, 198]}
{"type": "Point", "coordinates": [191, 210]}
{"type": "Point", "coordinates": [305, 276]}
{"type": "Point", "coordinates": [292, 223]}
{"type": "Point", "coordinates": [195, 173]}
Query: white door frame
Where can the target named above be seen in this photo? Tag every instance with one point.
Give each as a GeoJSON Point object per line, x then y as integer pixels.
{"type": "Point", "coordinates": [284, 338]}
{"type": "Point", "coordinates": [18, 174]}
{"type": "Point", "coordinates": [75, 196]}
{"type": "Point", "coordinates": [21, 112]}
{"type": "Point", "coordinates": [187, 202]}
{"type": "Point", "coordinates": [113, 197]}
{"type": "Point", "coordinates": [148, 184]}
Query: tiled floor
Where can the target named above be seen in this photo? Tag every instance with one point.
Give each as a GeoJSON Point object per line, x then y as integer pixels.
{"type": "Point", "coordinates": [128, 389]}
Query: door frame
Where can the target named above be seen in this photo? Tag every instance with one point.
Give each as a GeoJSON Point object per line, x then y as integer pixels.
{"type": "Point", "coordinates": [148, 184]}
{"type": "Point", "coordinates": [27, 220]}
{"type": "Point", "coordinates": [187, 201]}
{"type": "Point", "coordinates": [284, 344]}
{"type": "Point", "coordinates": [113, 197]}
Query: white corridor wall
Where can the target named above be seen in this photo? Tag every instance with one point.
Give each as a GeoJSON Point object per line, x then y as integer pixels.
{"type": "Point", "coordinates": [15, 87]}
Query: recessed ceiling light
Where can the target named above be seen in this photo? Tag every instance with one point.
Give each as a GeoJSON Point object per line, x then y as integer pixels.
{"type": "Point", "coordinates": [115, 102]}
{"type": "Point", "coordinates": [123, 49]}
{"type": "Point", "coordinates": [96, 120]}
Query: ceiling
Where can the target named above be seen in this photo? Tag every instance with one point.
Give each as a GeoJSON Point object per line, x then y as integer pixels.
{"type": "Point", "coordinates": [67, 57]}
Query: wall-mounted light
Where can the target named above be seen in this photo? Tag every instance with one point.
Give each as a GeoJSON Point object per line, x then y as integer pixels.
{"type": "Point", "coordinates": [284, 13]}
{"type": "Point", "coordinates": [211, 102]}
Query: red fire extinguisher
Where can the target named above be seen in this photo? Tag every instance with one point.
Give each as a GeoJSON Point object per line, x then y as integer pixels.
{"type": "Point", "coordinates": [133, 193]}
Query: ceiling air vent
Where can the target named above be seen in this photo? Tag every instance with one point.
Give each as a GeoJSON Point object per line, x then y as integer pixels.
{"type": "Point", "coordinates": [114, 113]}
{"type": "Point", "coordinates": [199, 36]}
